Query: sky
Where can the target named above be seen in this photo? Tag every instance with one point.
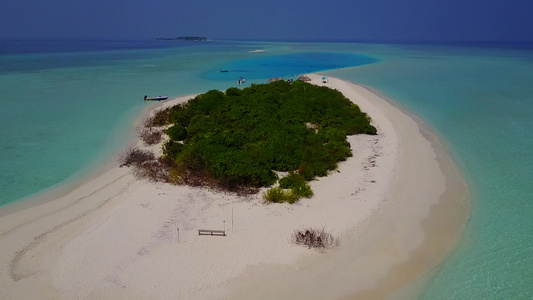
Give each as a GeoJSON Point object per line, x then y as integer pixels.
{"type": "Point", "coordinates": [336, 20]}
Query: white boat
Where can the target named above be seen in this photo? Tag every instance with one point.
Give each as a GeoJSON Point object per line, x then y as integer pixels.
{"type": "Point", "coordinates": [158, 98]}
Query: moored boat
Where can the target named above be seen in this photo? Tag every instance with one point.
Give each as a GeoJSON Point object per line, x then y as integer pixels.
{"type": "Point", "coordinates": [158, 98]}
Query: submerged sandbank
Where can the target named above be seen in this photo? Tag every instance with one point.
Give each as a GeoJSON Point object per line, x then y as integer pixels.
{"type": "Point", "coordinates": [117, 237]}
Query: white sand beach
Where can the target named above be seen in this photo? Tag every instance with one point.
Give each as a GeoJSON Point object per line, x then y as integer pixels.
{"type": "Point", "coordinates": [398, 206]}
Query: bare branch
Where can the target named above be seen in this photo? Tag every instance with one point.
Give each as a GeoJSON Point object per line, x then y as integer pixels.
{"type": "Point", "coordinates": [315, 238]}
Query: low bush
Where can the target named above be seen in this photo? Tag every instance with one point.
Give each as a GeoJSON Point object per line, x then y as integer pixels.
{"type": "Point", "coordinates": [315, 238]}
{"type": "Point", "coordinates": [302, 190]}
{"type": "Point", "coordinates": [146, 166]}
{"type": "Point", "coordinates": [152, 170]}
{"type": "Point", "coordinates": [232, 91]}
{"type": "Point", "coordinates": [297, 184]}
{"type": "Point", "coordinates": [292, 180]}
{"type": "Point", "coordinates": [279, 195]}
{"type": "Point", "coordinates": [160, 118]}
{"type": "Point", "coordinates": [150, 136]}
{"type": "Point", "coordinates": [134, 156]}
{"type": "Point", "coordinates": [172, 149]}
{"type": "Point", "coordinates": [177, 132]}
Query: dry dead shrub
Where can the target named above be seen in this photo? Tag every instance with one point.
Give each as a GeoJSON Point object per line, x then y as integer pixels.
{"type": "Point", "coordinates": [160, 118]}
{"type": "Point", "coordinates": [189, 178]}
{"type": "Point", "coordinates": [134, 156]}
{"type": "Point", "coordinates": [246, 190]}
{"type": "Point", "coordinates": [181, 175]}
{"type": "Point", "coordinates": [146, 166]}
{"type": "Point", "coordinates": [150, 123]}
{"type": "Point", "coordinates": [157, 170]}
{"type": "Point", "coordinates": [233, 187]}
{"type": "Point", "coordinates": [315, 238]}
{"type": "Point", "coordinates": [150, 136]}
{"type": "Point", "coordinates": [151, 170]}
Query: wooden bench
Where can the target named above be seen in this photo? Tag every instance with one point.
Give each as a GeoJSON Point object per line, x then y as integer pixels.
{"type": "Point", "coordinates": [211, 232]}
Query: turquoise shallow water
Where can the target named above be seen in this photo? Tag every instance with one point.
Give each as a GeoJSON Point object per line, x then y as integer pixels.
{"type": "Point", "coordinates": [287, 66]}
{"type": "Point", "coordinates": [65, 113]}
{"type": "Point", "coordinates": [481, 102]}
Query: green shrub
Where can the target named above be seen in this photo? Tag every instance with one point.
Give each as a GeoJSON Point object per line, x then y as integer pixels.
{"type": "Point", "coordinates": [302, 190]}
{"type": "Point", "coordinates": [160, 118]}
{"type": "Point", "coordinates": [329, 134]}
{"type": "Point", "coordinates": [292, 180]}
{"type": "Point", "coordinates": [297, 184]}
{"type": "Point", "coordinates": [233, 92]}
{"type": "Point", "coordinates": [177, 132]}
{"type": "Point", "coordinates": [310, 170]}
{"type": "Point", "coordinates": [240, 137]}
{"type": "Point", "coordinates": [339, 150]}
{"type": "Point", "coordinates": [180, 114]}
{"type": "Point", "coordinates": [279, 195]}
{"type": "Point", "coordinates": [172, 149]}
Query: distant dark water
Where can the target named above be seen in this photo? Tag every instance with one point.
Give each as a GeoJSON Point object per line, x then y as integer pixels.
{"type": "Point", "coordinates": [37, 55]}
{"type": "Point", "coordinates": [20, 46]}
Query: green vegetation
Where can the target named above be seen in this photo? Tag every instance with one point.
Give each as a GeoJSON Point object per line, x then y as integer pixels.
{"type": "Point", "coordinates": [236, 140]}
{"type": "Point", "coordinates": [177, 132]}
{"type": "Point", "coordinates": [297, 184]}
{"type": "Point", "coordinates": [302, 190]}
{"type": "Point", "coordinates": [279, 195]}
{"type": "Point", "coordinates": [290, 189]}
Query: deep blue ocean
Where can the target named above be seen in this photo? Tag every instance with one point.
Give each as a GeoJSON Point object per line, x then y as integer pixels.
{"type": "Point", "coordinates": [69, 106]}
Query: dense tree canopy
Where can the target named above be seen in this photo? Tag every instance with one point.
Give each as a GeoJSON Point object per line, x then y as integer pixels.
{"type": "Point", "coordinates": [240, 137]}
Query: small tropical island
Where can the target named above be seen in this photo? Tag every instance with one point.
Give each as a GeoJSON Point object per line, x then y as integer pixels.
{"type": "Point", "coordinates": [264, 139]}
{"type": "Point", "coordinates": [185, 38]}
{"type": "Point", "coordinates": [242, 140]}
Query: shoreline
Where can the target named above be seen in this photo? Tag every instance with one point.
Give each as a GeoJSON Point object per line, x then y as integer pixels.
{"type": "Point", "coordinates": [392, 255]}
{"type": "Point", "coordinates": [59, 249]}
{"type": "Point", "coordinates": [453, 206]}
{"type": "Point", "coordinates": [86, 174]}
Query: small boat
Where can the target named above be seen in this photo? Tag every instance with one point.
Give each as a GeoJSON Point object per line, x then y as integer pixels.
{"type": "Point", "coordinates": [158, 98]}
{"type": "Point", "coordinates": [224, 71]}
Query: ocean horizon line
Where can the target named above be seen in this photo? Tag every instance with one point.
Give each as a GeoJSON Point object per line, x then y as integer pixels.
{"type": "Point", "coordinates": [522, 43]}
